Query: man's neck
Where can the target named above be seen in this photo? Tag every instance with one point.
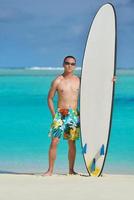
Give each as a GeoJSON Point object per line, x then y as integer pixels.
{"type": "Point", "coordinates": [67, 75]}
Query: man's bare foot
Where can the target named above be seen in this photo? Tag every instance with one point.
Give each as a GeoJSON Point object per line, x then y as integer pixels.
{"type": "Point", "coordinates": [48, 173]}
{"type": "Point", "coordinates": [73, 173]}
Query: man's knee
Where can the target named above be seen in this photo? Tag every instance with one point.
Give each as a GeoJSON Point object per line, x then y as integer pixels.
{"type": "Point", "coordinates": [54, 142]}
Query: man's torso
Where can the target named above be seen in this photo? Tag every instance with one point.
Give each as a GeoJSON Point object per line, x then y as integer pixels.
{"type": "Point", "coordinates": [68, 91]}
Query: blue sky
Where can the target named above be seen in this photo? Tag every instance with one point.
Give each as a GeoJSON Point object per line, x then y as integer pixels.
{"type": "Point", "coordinates": [42, 32]}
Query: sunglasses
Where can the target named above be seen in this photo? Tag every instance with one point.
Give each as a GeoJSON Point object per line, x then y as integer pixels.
{"type": "Point", "coordinates": [67, 63]}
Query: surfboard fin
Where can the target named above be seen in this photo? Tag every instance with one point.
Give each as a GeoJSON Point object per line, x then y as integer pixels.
{"type": "Point", "coordinates": [102, 150]}
{"type": "Point", "coordinates": [92, 167]}
{"type": "Point", "coordinates": [84, 149]}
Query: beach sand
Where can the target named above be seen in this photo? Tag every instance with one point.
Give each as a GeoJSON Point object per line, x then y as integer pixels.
{"type": "Point", "coordinates": [65, 187]}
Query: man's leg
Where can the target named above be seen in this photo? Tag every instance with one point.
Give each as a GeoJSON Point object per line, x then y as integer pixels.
{"type": "Point", "coordinates": [71, 156]}
{"type": "Point", "coordinates": [52, 156]}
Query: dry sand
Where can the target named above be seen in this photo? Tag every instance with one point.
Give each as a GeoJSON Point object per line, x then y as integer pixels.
{"type": "Point", "coordinates": [66, 187]}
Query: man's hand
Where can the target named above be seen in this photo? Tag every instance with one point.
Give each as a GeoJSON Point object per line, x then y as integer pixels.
{"type": "Point", "coordinates": [53, 115]}
{"type": "Point", "coordinates": [114, 78]}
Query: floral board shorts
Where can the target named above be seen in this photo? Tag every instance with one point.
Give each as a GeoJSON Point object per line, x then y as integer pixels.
{"type": "Point", "coordinates": [66, 123]}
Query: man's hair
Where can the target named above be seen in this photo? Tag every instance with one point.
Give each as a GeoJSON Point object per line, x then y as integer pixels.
{"type": "Point", "coordinates": [69, 57]}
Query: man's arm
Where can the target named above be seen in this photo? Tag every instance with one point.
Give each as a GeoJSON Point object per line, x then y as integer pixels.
{"type": "Point", "coordinates": [51, 94]}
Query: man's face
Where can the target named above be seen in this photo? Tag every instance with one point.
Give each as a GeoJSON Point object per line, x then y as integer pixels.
{"type": "Point", "coordinates": [69, 64]}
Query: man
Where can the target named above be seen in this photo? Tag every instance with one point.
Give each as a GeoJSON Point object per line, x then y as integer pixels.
{"type": "Point", "coordinates": [66, 121]}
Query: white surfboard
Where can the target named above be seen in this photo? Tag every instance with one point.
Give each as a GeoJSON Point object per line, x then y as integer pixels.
{"type": "Point", "coordinates": [97, 89]}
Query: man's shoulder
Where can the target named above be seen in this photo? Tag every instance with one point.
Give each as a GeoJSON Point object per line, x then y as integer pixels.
{"type": "Point", "coordinates": [57, 80]}
{"type": "Point", "coordinates": [77, 77]}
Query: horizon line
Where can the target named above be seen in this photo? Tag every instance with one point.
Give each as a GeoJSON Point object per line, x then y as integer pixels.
{"type": "Point", "coordinates": [50, 68]}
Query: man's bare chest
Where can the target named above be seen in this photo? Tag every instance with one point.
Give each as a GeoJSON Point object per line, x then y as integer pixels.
{"type": "Point", "coordinates": [68, 87]}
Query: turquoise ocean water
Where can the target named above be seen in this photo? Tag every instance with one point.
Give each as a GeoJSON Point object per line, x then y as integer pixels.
{"type": "Point", "coordinates": [25, 121]}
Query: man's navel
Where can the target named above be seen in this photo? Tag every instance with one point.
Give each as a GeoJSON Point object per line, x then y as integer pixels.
{"type": "Point", "coordinates": [62, 90]}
